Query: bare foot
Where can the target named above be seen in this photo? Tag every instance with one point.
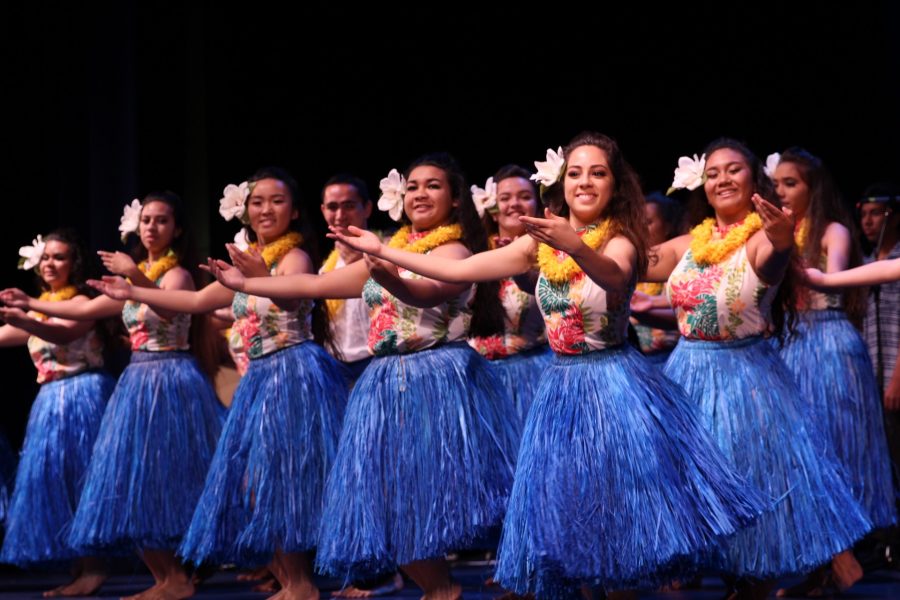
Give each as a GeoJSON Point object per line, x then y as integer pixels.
{"type": "Point", "coordinates": [298, 591]}
{"type": "Point", "coordinates": [269, 586]}
{"type": "Point", "coordinates": [845, 570]}
{"type": "Point", "coordinates": [145, 595]}
{"type": "Point", "coordinates": [176, 589]}
{"type": "Point", "coordinates": [255, 574]}
{"type": "Point", "coordinates": [85, 584]}
{"type": "Point", "coordinates": [450, 592]}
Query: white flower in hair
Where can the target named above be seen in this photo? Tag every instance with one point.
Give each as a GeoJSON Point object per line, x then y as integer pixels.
{"type": "Point", "coordinates": [131, 219]}
{"type": "Point", "coordinates": [690, 173]}
{"type": "Point", "coordinates": [393, 188]}
{"type": "Point", "coordinates": [234, 200]}
{"type": "Point", "coordinates": [771, 163]}
{"type": "Point", "coordinates": [485, 199]}
{"type": "Point", "coordinates": [31, 255]}
{"type": "Point", "coordinates": [548, 172]}
{"type": "Point", "coordinates": [241, 240]}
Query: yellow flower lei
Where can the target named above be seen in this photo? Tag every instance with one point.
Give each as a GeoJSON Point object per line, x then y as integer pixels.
{"type": "Point", "coordinates": [160, 267]}
{"type": "Point", "coordinates": [66, 293]}
{"type": "Point", "coordinates": [433, 239]}
{"type": "Point", "coordinates": [651, 288]}
{"type": "Point", "coordinates": [334, 304]}
{"type": "Point", "coordinates": [800, 235]}
{"type": "Point", "coordinates": [275, 251]}
{"type": "Point", "coordinates": [708, 251]}
{"type": "Point", "coordinates": [560, 271]}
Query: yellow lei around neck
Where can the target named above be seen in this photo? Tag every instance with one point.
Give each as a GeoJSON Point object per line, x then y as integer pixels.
{"type": "Point", "coordinates": [65, 293]}
{"type": "Point", "coordinates": [651, 288]}
{"type": "Point", "coordinates": [800, 235]}
{"type": "Point", "coordinates": [160, 267]}
{"type": "Point", "coordinates": [431, 240]}
{"type": "Point", "coordinates": [275, 251]}
{"type": "Point", "coordinates": [560, 271]}
{"type": "Point", "coordinates": [707, 251]}
{"type": "Point", "coordinates": [334, 304]}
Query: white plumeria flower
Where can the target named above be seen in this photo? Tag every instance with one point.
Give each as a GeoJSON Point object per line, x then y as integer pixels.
{"type": "Point", "coordinates": [234, 200]}
{"type": "Point", "coordinates": [131, 218]}
{"type": "Point", "coordinates": [393, 188]}
{"type": "Point", "coordinates": [31, 255]}
{"type": "Point", "coordinates": [485, 199]}
{"type": "Point", "coordinates": [241, 240]}
{"type": "Point", "coordinates": [548, 172]}
{"type": "Point", "coordinates": [771, 163]}
{"type": "Point", "coordinates": [690, 173]}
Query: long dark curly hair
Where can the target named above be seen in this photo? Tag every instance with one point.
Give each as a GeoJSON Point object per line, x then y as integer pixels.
{"type": "Point", "coordinates": [626, 207]}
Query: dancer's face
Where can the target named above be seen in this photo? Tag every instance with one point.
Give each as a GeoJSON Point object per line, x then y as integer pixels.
{"type": "Point", "coordinates": [56, 264]}
{"type": "Point", "coordinates": [588, 184]}
{"type": "Point", "coordinates": [428, 201]}
{"type": "Point", "coordinates": [271, 209]}
{"type": "Point", "coordinates": [515, 198]}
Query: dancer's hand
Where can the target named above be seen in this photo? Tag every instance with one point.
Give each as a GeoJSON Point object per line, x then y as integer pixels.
{"type": "Point", "coordinates": [113, 286]}
{"type": "Point", "coordinates": [15, 298]}
{"type": "Point", "coordinates": [778, 223]}
{"type": "Point", "coordinates": [118, 263]}
{"type": "Point", "coordinates": [225, 274]}
{"type": "Point", "coordinates": [356, 238]}
{"type": "Point", "coordinates": [553, 230]}
{"type": "Point", "coordinates": [249, 263]}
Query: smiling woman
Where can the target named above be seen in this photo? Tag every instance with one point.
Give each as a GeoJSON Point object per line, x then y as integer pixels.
{"type": "Point", "coordinates": [729, 281]}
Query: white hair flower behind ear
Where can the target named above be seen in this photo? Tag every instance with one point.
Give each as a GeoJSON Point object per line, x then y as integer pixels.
{"type": "Point", "coordinates": [690, 174]}
{"type": "Point", "coordinates": [234, 200]}
{"type": "Point", "coordinates": [131, 219]}
{"type": "Point", "coordinates": [485, 199]}
{"type": "Point", "coordinates": [31, 255]}
{"type": "Point", "coordinates": [393, 188]}
{"type": "Point", "coordinates": [548, 172]}
{"type": "Point", "coordinates": [771, 164]}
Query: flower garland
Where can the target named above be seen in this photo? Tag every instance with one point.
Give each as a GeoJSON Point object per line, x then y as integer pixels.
{"type": "Point", "coordinates": [159, 268]}
{"type": "Point", "coordinates": [800, 235]}
{"type": "Point", "coordinates": [275, 251]}
{"type": "Point", "coordinates": [65, 293]}
{"type": "Point", "coordinates": [431, 240]}
{"type": "Point", "coordinates": [651, 288]}
{"type": "Point", "coordinates": [334, 304]}
{"type": "Point", "coordinates": [560, 271]}
{"type": "Point", "coordinates": [708, 251]}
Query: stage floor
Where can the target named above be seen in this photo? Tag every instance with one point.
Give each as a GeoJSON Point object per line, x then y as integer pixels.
{"type": "Point", "coordinates": [879, 585]}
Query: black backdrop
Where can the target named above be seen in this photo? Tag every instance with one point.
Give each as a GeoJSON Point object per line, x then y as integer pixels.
{"type": "Point", "coordinates": [103, 103]}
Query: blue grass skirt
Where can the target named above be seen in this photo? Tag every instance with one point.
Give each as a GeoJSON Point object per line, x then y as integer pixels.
{"type": "Point", "coordinates": [151, 456]}
{"type": "Point", "coordinates": [747, 398]}
{"type": "Point", "coordinates": [265, 484]}
{"type": "Point", "coordinates": [62, 426]}
{"type": "Point", "coordinates": [837, 382]}
{"type": "Point", "coordinates": [521, 374]}
{"type": "Point", "coordinates": [617, 483]}
{"type": "Point", "coordinates": [7, 476]}
{"type": "Point", "coordinates": [425, 462]}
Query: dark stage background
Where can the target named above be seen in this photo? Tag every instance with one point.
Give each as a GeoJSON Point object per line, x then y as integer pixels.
{"type": "Point", "coordinates": [106, 102]}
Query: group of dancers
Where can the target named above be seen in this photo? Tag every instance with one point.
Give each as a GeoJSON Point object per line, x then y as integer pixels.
{"type": "Point", "coordinates": [400, 403]}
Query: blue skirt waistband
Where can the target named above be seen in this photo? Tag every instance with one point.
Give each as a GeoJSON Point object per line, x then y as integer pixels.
{"type": "Point", "coordinates": [141, 356]}
{"type": "Point", "coordinates": [817, 316]}
{"type": "Point", "coordinates": [694, 344]}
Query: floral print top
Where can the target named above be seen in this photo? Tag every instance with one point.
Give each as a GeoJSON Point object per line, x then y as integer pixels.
{"type": "Point", "coordinates": [236, 347]}
{"type": "Point", "coordinates": [523, 326]}
{"type": "Point", "coordinates": [397, 328]}
{"type": "Point", "coordinates": [581, 316]}
{"type": "Point", "coordinates": [651, 339]}
{"type": "Point", "coordinates": [718, 302]}
{"type": "Point", "coordinates": [149, 332]}
{"type": "Point", "coordinates": [57, 361]}
{"type": "Point", "coordinates": [265, 328]}
{"type": "Point", "coordinates": [810, 299]}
